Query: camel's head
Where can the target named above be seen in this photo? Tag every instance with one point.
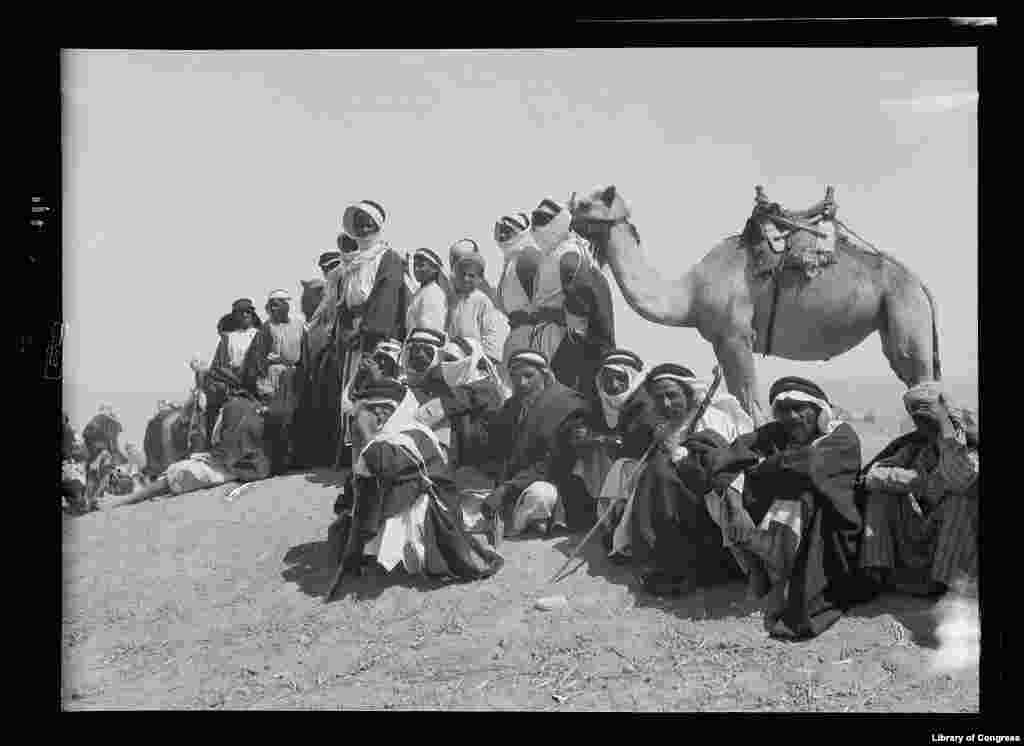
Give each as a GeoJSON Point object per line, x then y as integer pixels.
{"type": "Point", "coordinates": [594, 215]}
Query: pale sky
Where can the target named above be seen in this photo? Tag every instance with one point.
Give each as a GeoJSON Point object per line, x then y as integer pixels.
{"type": "Point", "coordinates": [193, 179]}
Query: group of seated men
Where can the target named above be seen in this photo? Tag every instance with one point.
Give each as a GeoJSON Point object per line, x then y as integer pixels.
{"type": "Point", "coordinates": [696, 496]}
{"type": "Point", "coordinates": [447, 461]}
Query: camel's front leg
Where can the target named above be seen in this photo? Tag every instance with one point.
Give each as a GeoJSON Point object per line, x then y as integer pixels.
{"type": "Point", "coordinates": [736, 356]}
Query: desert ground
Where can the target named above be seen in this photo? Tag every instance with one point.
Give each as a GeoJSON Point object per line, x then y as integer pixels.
{"type": "Point", "coordinates": [198, 602]}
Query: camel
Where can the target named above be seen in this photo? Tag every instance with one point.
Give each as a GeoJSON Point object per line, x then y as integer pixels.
{"type": "Point", "coordinates": [730, 305]}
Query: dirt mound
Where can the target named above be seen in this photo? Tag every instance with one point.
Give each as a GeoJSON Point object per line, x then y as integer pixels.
{"type": "Point", "coordinates": [195, 602]}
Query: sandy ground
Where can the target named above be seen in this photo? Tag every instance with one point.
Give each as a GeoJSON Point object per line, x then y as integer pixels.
{"type": "Point", "coordinates": [194, 602]}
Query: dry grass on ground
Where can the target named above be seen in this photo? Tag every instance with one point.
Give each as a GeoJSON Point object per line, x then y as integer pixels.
{"type": "Point", "coordinates": [193, 602]}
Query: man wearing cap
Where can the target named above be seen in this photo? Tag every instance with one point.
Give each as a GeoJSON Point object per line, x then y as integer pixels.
{"type": "Point", "coordinates": [428, 308]}
{"type": "Point", "coordinates": [921, 507]}
{"type": "Point", "coordinates": [533, 435]}
{"type": "Point", "coordinates": [270, 370]}
{"type": "Point", "coordinates": [473, 313]}
{"type": "Point", "coordinates": [800, 471]}
{"type": "Point", "coordinates": [400, 508]}
{"type": "Point", "coordinates": [666, 524]}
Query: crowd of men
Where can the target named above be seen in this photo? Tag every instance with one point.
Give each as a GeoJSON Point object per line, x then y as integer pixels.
{"type": "Point", "coordinates": [469, 413]}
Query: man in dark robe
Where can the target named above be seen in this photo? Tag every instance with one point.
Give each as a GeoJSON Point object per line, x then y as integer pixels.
{"type": "Point", "coordinates": [664, 523]}
{"type": "Point", "coordinates": [365, 302]}
{"type": "Point", "coordinates": [401, 508]}
{"type": "Point", "coordinates": [803, 526]}
{"type": "Point", "coordinates": [590, 324]}
{"type": "Point", "coordinates": [270, 369]}
{"type": "Point", "coordinates": [534, 436]}
{"type": "Point", "coordinates": [921, 501]}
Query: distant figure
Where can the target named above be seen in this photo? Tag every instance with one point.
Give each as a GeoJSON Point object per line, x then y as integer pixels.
{"type": "Point", "coordinates": [103, 453]}
{"type": "Point", "coordinates": [921, 511]}
{"type": "Point", "coordinates": [229, 357]}
{"type": "Point", "coordinates": [270, 370]}
{"type": "Point", "coordinates": [73, 463]}
{"type": "Point", "coordinates": [238, 453]}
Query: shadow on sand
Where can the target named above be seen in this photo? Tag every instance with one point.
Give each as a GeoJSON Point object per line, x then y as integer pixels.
{"type": "Point", "coordinates": [309, 568]}
{"type": "Point", "coordinates": [729, 599]}
{"type": "Point", "coordinates": [722, 601]}
{"type": "Point", "coordinates": [327, 477]}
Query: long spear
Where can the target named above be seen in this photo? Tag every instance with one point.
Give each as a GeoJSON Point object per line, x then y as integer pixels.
{"type": "Point", "coordinates": [705, 403]}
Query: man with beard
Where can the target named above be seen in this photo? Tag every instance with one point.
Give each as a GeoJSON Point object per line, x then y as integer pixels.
{"type": "Point", "coordinates": [401, 508]}
{"type": "Point", "coordinates": [534, 436]}
{"type": "Point", "coordinates": [801, 534]}
{"type": "Point", "coordinates": [269, 369]}
{"type": "Point", "coordinates": [666, 523]}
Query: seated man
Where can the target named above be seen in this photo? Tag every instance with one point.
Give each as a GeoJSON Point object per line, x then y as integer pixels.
{"type": "Point", "coordinates": [800, 473]}
{"type": "Point", "coordinates": [469, 393]}
{"type": "Point", "coordinates": [422, 354]}
{"type": "Point", "coordinates": [623, 427]}
{"type": "Point", "coordinates": [921, 508]}
{"type": "Point", "coordinates": [533, 436]}
{"type": "Point", "coordinates": [400, 507]}
{"type": "Point", "coordinates": [667, 521]}
{"type": "Point", "coordinates": [238, 453]}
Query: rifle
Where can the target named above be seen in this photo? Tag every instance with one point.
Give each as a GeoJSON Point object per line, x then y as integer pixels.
{"type": "Point", "coordinates": [701, 409]}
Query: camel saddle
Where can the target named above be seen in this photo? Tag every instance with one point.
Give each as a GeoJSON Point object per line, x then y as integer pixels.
{"type": "Point", "coordinates": [778, 237]}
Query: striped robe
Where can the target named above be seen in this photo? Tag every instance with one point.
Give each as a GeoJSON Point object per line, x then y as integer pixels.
{"type": "Point", "coordinates": [390, 513]}
{"type": "Point", "coordinates": [921, 509]}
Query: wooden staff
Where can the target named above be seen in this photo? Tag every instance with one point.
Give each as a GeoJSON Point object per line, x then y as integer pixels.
{"type": "Point", "coordinates": [705, 403]}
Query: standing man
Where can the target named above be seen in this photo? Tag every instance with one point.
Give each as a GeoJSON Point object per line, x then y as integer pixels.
{"type": "Point", "coordinates": [428, 308]}
{"type": "Point", "coordinates": [270, 370]}
{"type": "Point", "coordinates": [366, 293]}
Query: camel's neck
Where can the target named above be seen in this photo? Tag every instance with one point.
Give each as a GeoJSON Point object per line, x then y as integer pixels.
{"type": "Point", "coordinates": [646, 290]}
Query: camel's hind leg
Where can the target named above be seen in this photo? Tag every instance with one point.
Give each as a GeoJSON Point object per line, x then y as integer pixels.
{"type": "Point", "coordinates": [907, 338]}
{"type": "Point", "coordinates": [736, 356]}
